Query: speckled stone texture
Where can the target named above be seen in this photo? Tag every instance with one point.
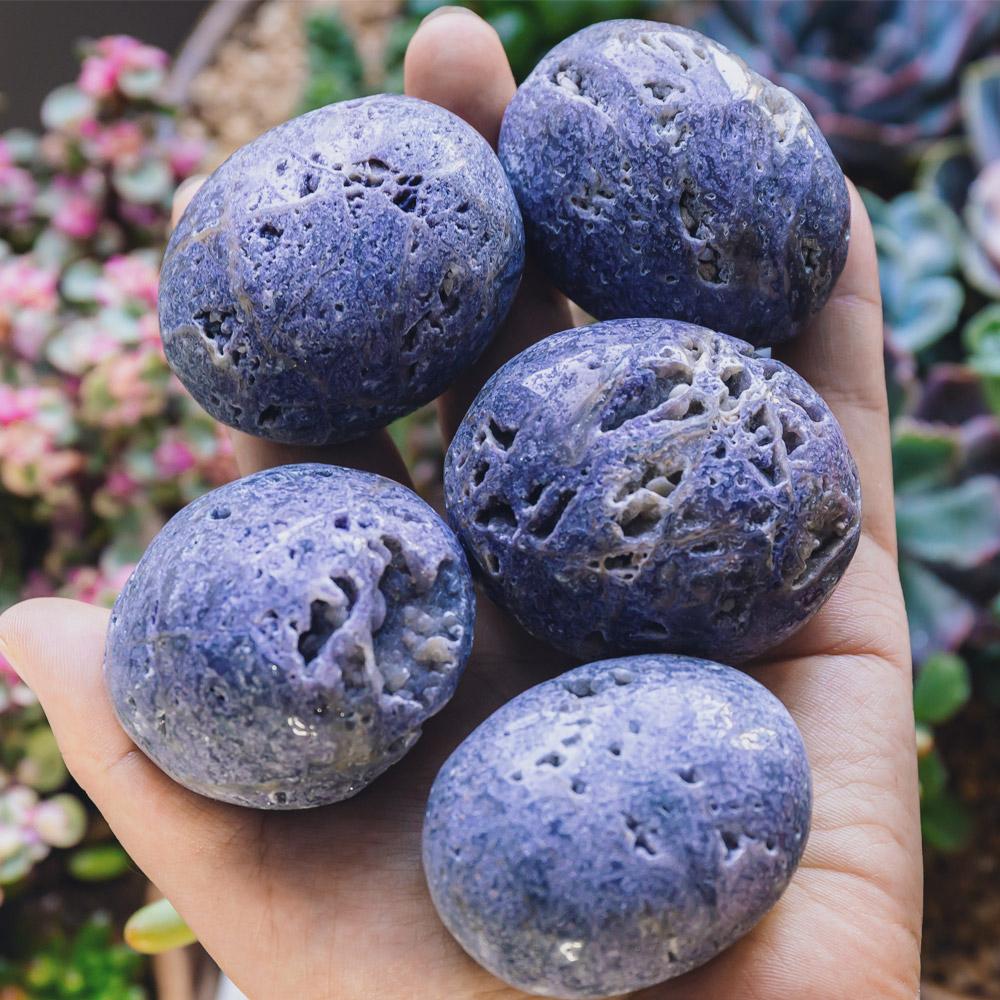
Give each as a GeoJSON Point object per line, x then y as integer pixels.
{"type": "Point", "coordinates": [651, 486]}
{"type": "Point", "coordinates": [340, 270]}
{"type": "Point", "coordinates": [618, 825]}
{"type": "Point", "coordinates": [659, 176]}
{"type": "Point", "coordinates": [284, 637]}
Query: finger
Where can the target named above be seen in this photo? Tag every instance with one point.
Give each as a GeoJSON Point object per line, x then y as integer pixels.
{"type": "Point", "coordinates": [183, 196]}
{"type": "Point", "coordinates": [373, 453]}
{"type": "Point", "coordinates": [840, 355]}
{"type": "Point", "coordinates": [456, 60]}
{"type": "Point", "coordinates": [173, 835]}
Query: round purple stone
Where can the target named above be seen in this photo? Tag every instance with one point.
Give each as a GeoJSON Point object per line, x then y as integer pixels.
{"type": "Point", "coordinates": [340, 270]}
{"type": "Point", "coordinates": [648, 485]}
{"type": "Point", "coordinates": [618, 825]}
{"type": "Point", "coordinates": [659, 175]}
{"type": "Point", "coordinates": [284, 637]}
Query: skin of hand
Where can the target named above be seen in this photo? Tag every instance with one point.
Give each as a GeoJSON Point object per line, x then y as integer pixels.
{"type": "Point", "coordinates": [331, 903]}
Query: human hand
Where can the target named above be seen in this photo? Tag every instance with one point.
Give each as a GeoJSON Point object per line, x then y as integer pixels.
{"type": "Point", "coordinates": [331, 903]}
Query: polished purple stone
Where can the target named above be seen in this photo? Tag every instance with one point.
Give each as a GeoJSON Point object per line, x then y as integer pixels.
{"type": "Point", "coordinates": [284, 637]}
{"type": "Point", "coordinates": [648, 485]}
{"type": "Point", "coordinates": [340, 270]}
{"type": "Point", "coordinates": [618, 825]}
{"type": "Point", "coordinates": [659, 176]}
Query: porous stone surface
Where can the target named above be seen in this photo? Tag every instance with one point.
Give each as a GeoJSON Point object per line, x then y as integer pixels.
{"type": "Point", "coordinates": [340, 270]}
{"type": "Point", "coordinates": [618, 825]}
{"type": "Point", "coordinates": [652, 486]}
{"type": "Point", "coordinates": [659, 175]}
{"type": "Point", "coordinates": [285, 636]}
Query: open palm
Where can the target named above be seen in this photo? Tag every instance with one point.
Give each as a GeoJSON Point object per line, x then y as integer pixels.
{"type": "Point", "coordinates": [331, 903]}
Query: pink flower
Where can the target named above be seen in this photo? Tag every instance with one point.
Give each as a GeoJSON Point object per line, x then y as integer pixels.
{"type": "Point", "coordinates": [185, 155]}
{"type": "Point", "coordinates": [120, 484]}
{"type": "Point", "coordinates": [17, 194]}
{"type": "Point", "coordinates": [173, 457]}
{"type": "Point", "coordinates": [25, 285]}
{"type": "Point", "coordinates": [112, 56]}
{"type": "Point", "coordinates": [131, 276]}
{"type": "Point", "coordinates": [120, 143]}
{"type": "Point", "coordinates": [18, 404]}
{"type": "Point", "coordinates": [78, 217]}
{"type": "Point", "coordinates": [98, 77]}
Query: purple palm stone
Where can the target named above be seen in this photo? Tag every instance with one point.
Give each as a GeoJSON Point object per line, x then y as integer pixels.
{"type": "Point", "coordinates": [647, 485]}
{"type": "Point", "coordinates": [285, 636]}
{"type": "Point", "coordinates": [340, 270]}
{"type": "Point", "coordinates": [659, 175]}
{"type": "Point", "coordinates": [618, 825]}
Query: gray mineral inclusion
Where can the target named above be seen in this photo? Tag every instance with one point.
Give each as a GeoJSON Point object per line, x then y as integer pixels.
{"type": "Point", "coordinates": [285, 636]}
{"type": "Point", "coordinates": [340, 270]}
{"type": "Point", "coordinates": [650, 486]}
{"type": "Point", "coordinates": [658, 175]}
{"type": "Point", "coordinates": [618, 825]}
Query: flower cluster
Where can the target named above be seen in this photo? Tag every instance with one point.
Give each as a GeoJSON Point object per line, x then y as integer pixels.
{"type": "Point", "coordinates": [99, 444]}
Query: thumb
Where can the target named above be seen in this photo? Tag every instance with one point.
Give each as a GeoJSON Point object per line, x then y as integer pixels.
{"type": "Point", "coordinates": [173, 835]}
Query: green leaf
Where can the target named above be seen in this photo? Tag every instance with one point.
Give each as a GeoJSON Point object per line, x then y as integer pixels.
{"type": "Point", "coordinates": [981, 337]}
{"type": "Point", "coordinates": [923, 455]}
{"type": "Point", "coordinates": [98, 863]}
{"type": "Point", "coordinates": [141, 83]}
{"type": "Point", "coordinates": [939, 616]}
{"type": "Point", "coordinates": [156, 928]}
{"type": "Point", "coordinates": [150, 183]}
{"type": "Point", "coordinates": [80, 281]}
{"type": "Point", "coordinates": [946, 822]}
{"type": "Point", "coordinates": [66, 106]}
{"type": "Point", "coordinates": [933, 775]}
{"type": "Point", "coordinates": [942, 687]}
{"type": "Point", "coordinates": [957, 527]}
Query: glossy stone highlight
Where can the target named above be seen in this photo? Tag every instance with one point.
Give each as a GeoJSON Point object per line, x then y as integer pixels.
{"type": "Point", "coordinates": [340, 270]}
{"type": "Point", "coordinates": [648, 485]}
{"type": "Point", "coordinates": [658, 175]}
{"type": "Point", "coordinates": [284, 637]}
{"type": "Point", "coordinates": [618, 825]}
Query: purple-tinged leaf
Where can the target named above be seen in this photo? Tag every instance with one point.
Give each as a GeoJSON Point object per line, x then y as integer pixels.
{"type": "Point", "coordinates": [957, 527]}
{"type": "Point", "coordinates": [939, 616]}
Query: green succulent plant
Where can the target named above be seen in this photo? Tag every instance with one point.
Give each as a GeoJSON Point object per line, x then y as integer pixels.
{"type": "Point", "coordinates": [89, 965]}
{"type": "Point", "coordinates": [918, 239]}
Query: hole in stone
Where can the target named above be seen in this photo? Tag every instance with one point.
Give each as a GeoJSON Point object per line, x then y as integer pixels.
{"type": "Point", "coordinates": [220, 513]}
{"type": "Point", "coordinates": [737, 383]}
{"type": "Point", "coordinates": [503, 436]}
{"type": "Point", "coordinates": [497, 513]}
{"type": "Point", "coordinates": [640, 522]}
{"type": "Point", "coordinates": [579, 786]}
{"type": "Point", "coordinates": [544, 525]}
{"type": "Point", "coordinates": [731, 841]}
{"type": "Point", "coordinates": [268, 415]}
{"type": "Point", "coordinates": [551, 759]}
{"type": "Point", "coordinates": [688, 775]}
{"type": "Point", "coordinates": [405, 199]}
{"type": "Point", "coordinates": [270, 234]}
{"type": "Point", "coordinates": [792, 439]}
{"type": "Point", "coordinates": [324, 620]}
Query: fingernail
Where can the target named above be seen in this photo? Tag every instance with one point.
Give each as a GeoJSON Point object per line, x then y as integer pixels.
{"type": "Point", "coordinates": [448, 9]}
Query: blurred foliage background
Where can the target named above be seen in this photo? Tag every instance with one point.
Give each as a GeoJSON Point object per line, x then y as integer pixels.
{"type": "Point", "coordinates": [99, 444]}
